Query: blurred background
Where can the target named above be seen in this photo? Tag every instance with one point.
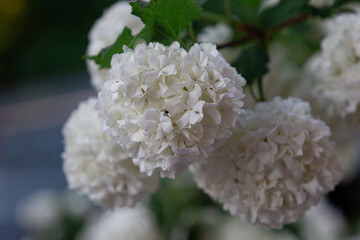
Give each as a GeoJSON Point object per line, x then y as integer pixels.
{"type": "Point", "coordinates": [42, 79]}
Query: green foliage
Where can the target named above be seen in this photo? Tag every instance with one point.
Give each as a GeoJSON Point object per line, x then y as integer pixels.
{"type": "Point", "coordinates": [252, 63]}
{"type": "Point", "coordinates": [281, 12]}
{"type": "Point", "coordinates": [201, 2]}
{"type": "Point", "coordinates": [246, 10]}
{"type": "Point", "coordinates": [293, 228]}
{"type": "Point", "coordinates": [103, 59]}
{"type": "Point", "coordinates": [176, 198]}
{"type": "Point", "coordinates": [214, 7]}
{"type": "Point", "coordinates": [167, 19]}
{"type": "Point", "coordinates": [164, 22]}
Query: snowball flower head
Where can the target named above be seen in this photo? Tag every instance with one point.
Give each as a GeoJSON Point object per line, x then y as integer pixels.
{"type": "Point", "coordinates": [104, 33]}
{"type": "Point", "coordinates": [220, 34]}
{"type": "Point", "coordinates": [98, 167]}
{"type": "Point", "coordinates": [130, 224]}
{"type": "Point", "coordinates": [277, 165]}
{"type": "Point", "coordinates": [336, 68]}
{"type": "Point", "coordinates": [169, 108]}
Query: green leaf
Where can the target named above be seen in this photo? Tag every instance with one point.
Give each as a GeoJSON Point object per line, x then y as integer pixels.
{"type": "Point", "coordinates": [252, 63]}
{"type": "Point", "coordinates": [293, 228]}
{"type": "Point", "coordinates": [174, 199]}
{"type": "Point", "coordinates": [246, 10]}
{"type": "Point", "coordinates": [103, 59]}
{"type": "Point", "coordinates": [201, 2]}
{"type": "Point", "coordinates": [281, 12]}
{"type": "Point", "coordinates": [167, 18]}
{"type": "Point", "coordinates": [164, 22]}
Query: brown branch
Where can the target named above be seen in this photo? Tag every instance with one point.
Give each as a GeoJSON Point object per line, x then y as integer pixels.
{"type": "Point", "coordinates": [292, 21]}
{"type": "Point", "coordinates": [254, 32]}
{"type": "Point", "coordinates": [237, 41]}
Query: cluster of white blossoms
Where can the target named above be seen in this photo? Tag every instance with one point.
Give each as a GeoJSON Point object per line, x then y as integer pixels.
{"type": "Point", "coordinates": [168, 107]}
{"type": "Point", "coordinates": [104, 33]}
{"type": "Point", "coordinates": [275, 167]}
{"type": "Point", "coordinates": [336, 68]}
{"type": "Point", "coordinates": [286, 79]}
{"type": "Point", "coordinates": [162, 108]}
{"type": "Point", "coordinates": [128, 224]}
{"type": "Point", "coordinates": [98, 167]}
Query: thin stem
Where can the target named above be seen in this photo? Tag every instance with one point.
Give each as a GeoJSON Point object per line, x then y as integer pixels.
{"type": "Point", "coordinates": [253, 93]}
{"type": "Point", "coordinates": [261, 90]}
{"type": "Point", "coordinates": [191, 33]}
{"type": "Point", "coordinates": [260, 34]}
{"type": "Point", "coordinates": [237, 41]}
{"type": "Point", "coordinates": [213, 17]}
{"type": "Point", "coordinates": [292, 21]}
{"type": "Point", "coordinates": [227, 8]}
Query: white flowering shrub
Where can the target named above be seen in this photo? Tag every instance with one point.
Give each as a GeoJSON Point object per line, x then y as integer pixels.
{"type": "Point", "coordinates": [276, 166]}
{"type": "Point", "coordinates": [170, 79]}
{"type": "Point", "coordinates": [98, 167]}
{"type": "Point", "coordinates": [168, 107]}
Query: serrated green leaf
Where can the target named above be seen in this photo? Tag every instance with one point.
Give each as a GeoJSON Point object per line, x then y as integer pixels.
{"type": "Point", "coordinates": [164, 21]}
{"type": "Point", "coordinates": [103, 59]}
{"type": "Point", "coordinates": [281, 12]}
{"type": "Point", "coordinates": [142, 3]}
{"type": "Point", "coordinates": [252, 63]}
{"type": "Point", "coordinates": [167, 18]}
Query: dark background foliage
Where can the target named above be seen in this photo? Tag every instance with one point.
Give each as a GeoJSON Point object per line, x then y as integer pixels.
{"type": "Point", "coordinates": [40, 37]}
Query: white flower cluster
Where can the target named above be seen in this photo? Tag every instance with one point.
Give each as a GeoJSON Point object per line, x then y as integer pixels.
{"type": "Point", "coordinates": [168, 107]}
{"type": "Point", "coordinates": [130, 224]}
{"type": "Point", "coordinates": [162, 108]}
{"type": "Point", "coordinates": [337, 68]}
{"type": "Point", "coordinates": [104, 33]}
{"type": "Point", "coordinates": [275, 167]}
{"type": "Point", "coordinates": [286, 79]}
{"type": "Point", "coordinates": [98, 167]}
